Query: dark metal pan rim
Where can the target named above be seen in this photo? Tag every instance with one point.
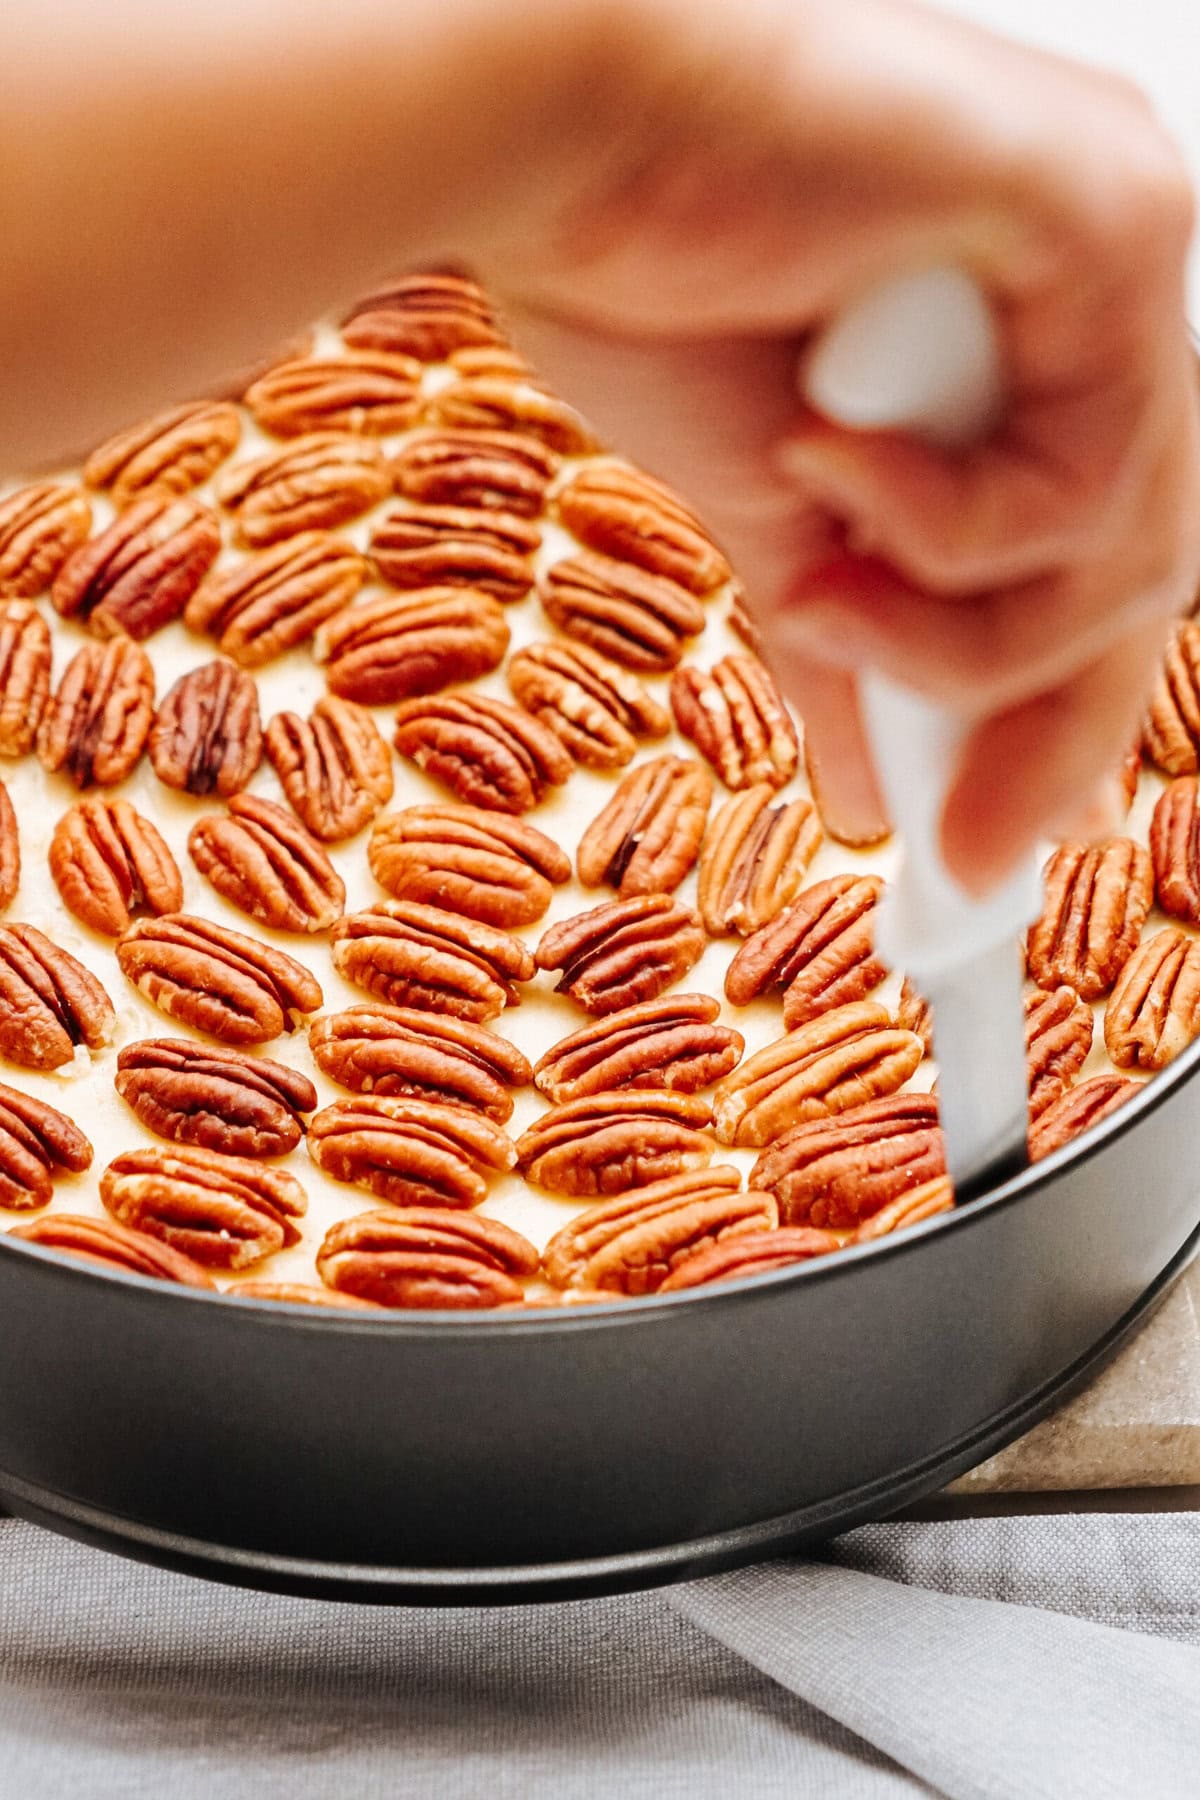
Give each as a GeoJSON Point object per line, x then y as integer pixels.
{"type": "Point", "coordinates": [600, 1315]}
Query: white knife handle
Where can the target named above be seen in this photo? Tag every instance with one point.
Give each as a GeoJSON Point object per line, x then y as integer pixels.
{"type": "Point", "coordinates": [920, 354]}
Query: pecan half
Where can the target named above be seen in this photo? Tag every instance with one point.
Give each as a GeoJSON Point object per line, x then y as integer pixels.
{"type": "Point", "coordinates": [95, 727]}
{"type": "Point", "coordinates": [333, 766]}
{"type": "Point", "coordinates": [489, 753]}
{"type": "Point", "coordinates": [669, 1043]}
{"type": "Point", "coordinates": [225, 1212]}
{"type": "Point", "coordinates": [755, 1253]}
{"type": "Point", "coordinates": [139, 574]}
{"type": "Point", "coordinates": [622, 952]}
{"type": "Point", "coordinates": [596, 709]}
{"type": "Point", "coordinates": [426, 316]}
{"type": "Point", "coordinates": [36, 1141]}
{"type": "Point", "coordinates": [502, 403]}
{"type": "Point", "coordinates": [393, 1050]}
{"type": "Point", "coordinates": [49, 1002]}
{"type": "Point", "coordinates": [492, 359]}
{"type": "Point", "coordinates": [1154, 1010]}
{"type": "Point", "coordinates": [314, 485]}
{"type": "Point", "coordinates": [297, 1293]}
{"type": "Point", "coordinates": [264, 862]}
{"type": "Point", "coordinates": [493, 469]}
{"type": "Point", "coordinates": [741, 620]}
{"type": "Point", "coordinates": [841, 1059]}
{"type": "Point", "coordinates": [608, 1143]}
{"type": "Point", "coordinates": [640, 621]}
{"type": "Point", "coordinates": [484, 865]}
{"type": "Point", "coordinates": [924, 1202]}
{"type": "Point", "coordinates": [631, 1244]}
{"type": "Point", "coordinates": [1097, 899]}
{"type": "Point", "coordinates": [1077, 1110]}
{"type": "Point", "coordinates": [24, 675]}
{"type": "Point", "coordinates": [40, 527]}
{"type": "Point", "coordinates": [648, 836]}
{"type": "Point", "coordinates": [734, 715]}
{"type": "Point", "coordinates": [423, 1258]}
{"type": "Point", "coordinates": [835, 1172]}
{"type": "Point", "coordinates": [206, 737]}
{"type": "Point", "coordinates": [820, 949]}
{"type": "Point", "coordinates": [913, 1012]}
{"type": "Point", "coordinates": [169, 454]}
{"type": "Point", "coordinates": [1175, 849]}
{"type": "Point", "coordinates": [1171, 734]}
{"type": "Point", "coordinates": [107, 861]}
{"type": "Point", "coordinates": [216, 980]}
{"type": "Point", "coordinates": [1058, 1036]}
{"type": "Point", "coordinates": [367, 391]}
{"type": "Point", "coordinates": [457, 546]}
{"type": "Point", "coordinates": [624, 513]}
{"type": "Point", "coordinates": [754, 859]}
{"type": "Point", "coordinates": [411, 1152]}
{"type": "Point", "coordinates": [410, 955]}
{"type": "Point", "coordinates": [399, 645]}
{"type": "Point", "coordinates": [112, 1247]}
{"type": "Point", "coordinates": [270, 602]}
{"type": "Point", "coordinates": [10, 851]}
{"type": "Point", "coordinates": [220, 1099]}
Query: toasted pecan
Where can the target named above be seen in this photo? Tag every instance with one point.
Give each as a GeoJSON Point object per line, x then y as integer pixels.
{"type": "Point", "coordinates": [736, 718]}
{"type": "Point", "coordinates": [754, 1253]}
{"type": "Point", "coordinates": [24, 675]}
{"type": "Point", "coordinates": [262, 860]}
{"type": "Point", "coordinates": [507, 403]}
{"type": "Point", "coordinates": [608, 1143]}
{"type": "Point", "coordinates": [598, 710]}
{"type": "Point", "coordinates": [49, 1003]}
{"type": "Point", "coordinates": [754, 858]}
{"type": "Point", "coordinates": [622, 951]}
{"type": "Point", "coordinates": [741, 620]}
{"type": "Point", "coordinates": [333, 766]}
{"type": "Point", "coordinates": [1175, 849]}
{"type": "Point", "coordinates": [1058, 1036]}
{"type": "Point", "coordinates": [206, 737]}
{"type": "Point", "coordinates": [112, 1247]}
{"type": "Point", "coordinates": [461, 546]}
{"type": "Point", "coordinates": [399, 645]}
{"type": "Point", "coordinates": [40, 526]}
{"type": "Point", "coordinates": [107, 861]}
{"type": "Point", "coordinates": [370, 391]}
{"type": "Point", "coordinates": [10, 851]}
{"type": "Point", "coordinates": [225, 1212]}
{"type": "Point", "coordinates": [426, 316]}
{"type": "Point", "coordinates": [491, 469]}
{"type": "Point", "coordinates": [1171, 732]}
{"type": "Point", "coordinates": [1097, 899]}
{"type": "Point", "coordinates": [140, 573]}
{"type": "Point", "coordinates": [36, 1141]}
{"type": "Point", "coordinates": [913, 1012]}
{"type": "Point", "coordinates": [820, 950]}
{"type": "Point", "coordinates": [1077, 1110]}
{"type": "Point", "coordinates": [219, 1099]}
{"type": "Point", "coordinates": [621, 512]}
{"type": "Point", "coordinates": [394, 1050]}
{"type": "Point", "coordinates": [836, 1171]}
{"type": "Point", "coordinates": [647, 837]}
{"type": "Point", "coordinates": [638, 620]}
{"type": "Point", "coordinates": [316, 484]}
{"type": "Point", "coordinates": [1153, 1011]}
{"type": "Point", "coordinates": [918, 1204]}
{"type": "Point", "coordinates": [299, 1293]}
{"type": "Point", "coordinates": [411, 1152]}
{"type": "Point", "coordinates": [673, 1042]}
{"type": "Point", "coordinates": [419, 1257]}
{"type": "Point", "coordinates": [169, 454]}
{"type": "Point", "coordinates": [96, 724]}
{"type": "Point", "coordinates": [216, 980]}
{"type": "Point", "coordinates": [272, 601]}
{"type": "Point", "coordinates": [482, 864]}
{"type": "Point", "coordinates": [486, 751]}
{"type": "Point", "coordinates": [426, 958]}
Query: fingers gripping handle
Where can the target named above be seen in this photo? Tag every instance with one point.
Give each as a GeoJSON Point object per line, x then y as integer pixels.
{"type": "Point", "coordinates": [920, 354]}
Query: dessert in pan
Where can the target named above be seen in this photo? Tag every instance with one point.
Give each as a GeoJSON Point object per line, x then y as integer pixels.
{"type": "Point", "coordinates": [413, 892]}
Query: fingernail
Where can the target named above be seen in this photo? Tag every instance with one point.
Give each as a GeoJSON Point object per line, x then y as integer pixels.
{"type": "Point", "coordinates": [851, 815]}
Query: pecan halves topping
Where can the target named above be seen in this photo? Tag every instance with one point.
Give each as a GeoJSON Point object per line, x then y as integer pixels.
{"type": "Point", "coordinates": [835, 1172]}
{"type": "Point", "coordinates": [169, 454]}
{"type": "Point", "coordinates": [648, 836]}
{"type": "Point", "coordinates": [674, 1042]}
{"type": "Point", "coordinates": [598, 710]}
{"type": "Point", "coordinates": [734, 715]}
{"type": "Point", "coordinates": [49, 1003]}
{"type": "Point", "coordinates": [426, 316]}
{"type": "Point", "coordinates": [1171, 733]}
{"type": "Point", "coordinates": [751, 1253]}
{"type": "Point", "coordinates": [754, 859]}
{"type": "Point", "coordinates": [333, 766]}
{"type": "Point", "coordinates": [484, 865]}
{"type": "Point", "coordinates": [623, 513]}
{"type": "Point", "coordinates": [622, 952]}
{"type": "Point", "coordinates": [487, 752]}
{"type": "Point", "coordinates": [632, 1243]}
{"type": "Point", "coordinates": [742, 622]}
{"type": "Point", "coordinates": [398, 645]}
{"type": "Point", "coordinates": [498, 470]}
{"type": "Point", "coordinates": [274, 600]}
{"type": "Point", "coordinates": [502, 403]}
{"type": "Point", "coordinates": [1077, 1110]}
{"type": "Point", "coordinates": [225, 1212]}
{"type": "Point", "coordinates": [422, 957]}
{"type": "Point", "coordinates": [411, 1152]}
{"type": "Point", "coordinates": [298, 1293]}
{"type": "Point", "coordinates": [1154, 1011]}
{"type": "Point", "coordinates": [96, 725]}
{"type": "Point", "coordinates": [420, 1258]}
{"type": "Point", "coordinates": [821, 950]}
{"type": "Point", "coordinates": [914, 1013]}
{"type": "Point", "coordinates": [107, 861]}
{"type": "Point", "coordinates": [1058, 1036]}
{"type": "Point", "coordinates": [36, 1141]}
{"type": "Point", "coordinates": [1175, 849]}
{"type": "Point", "coordinates": [840, 1059]}
{"type": "Point", "coordinates": [431, 546]}
{"type": "Point", "coordinates": [219, 1099]}
{"type": "Point", "coordinates": [112, 1247]}
{"type": "Point", "coordinates": [10, 851]}
{"type": "Point", "coordinates": [317, 483]}
{"type": "Point", "coordinates": [216, 980]}
{"type": "Point", "coordinates": [24, 675]}
{"type": "Point", "coordinates": [206, 737]}
{"type": "Point", "coordinates": [263, 861]}
{"type": "Point", "coordinates": [393, 1050]}
{"type": "Point", "coordinates": [638, 620]}
{"type": "Point", "coordinates": [608, 1143]}
{"type": "Point", "coordinates": [1097, 898]}
{"type": "Point", "coordinates": [369, 391]}
{"type": "Point", "coordinates": [141, 572]}
{"type": "Point", "coordinates": [920, 1203]}
{"type": "Point", "coordinates": [40, 526]}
